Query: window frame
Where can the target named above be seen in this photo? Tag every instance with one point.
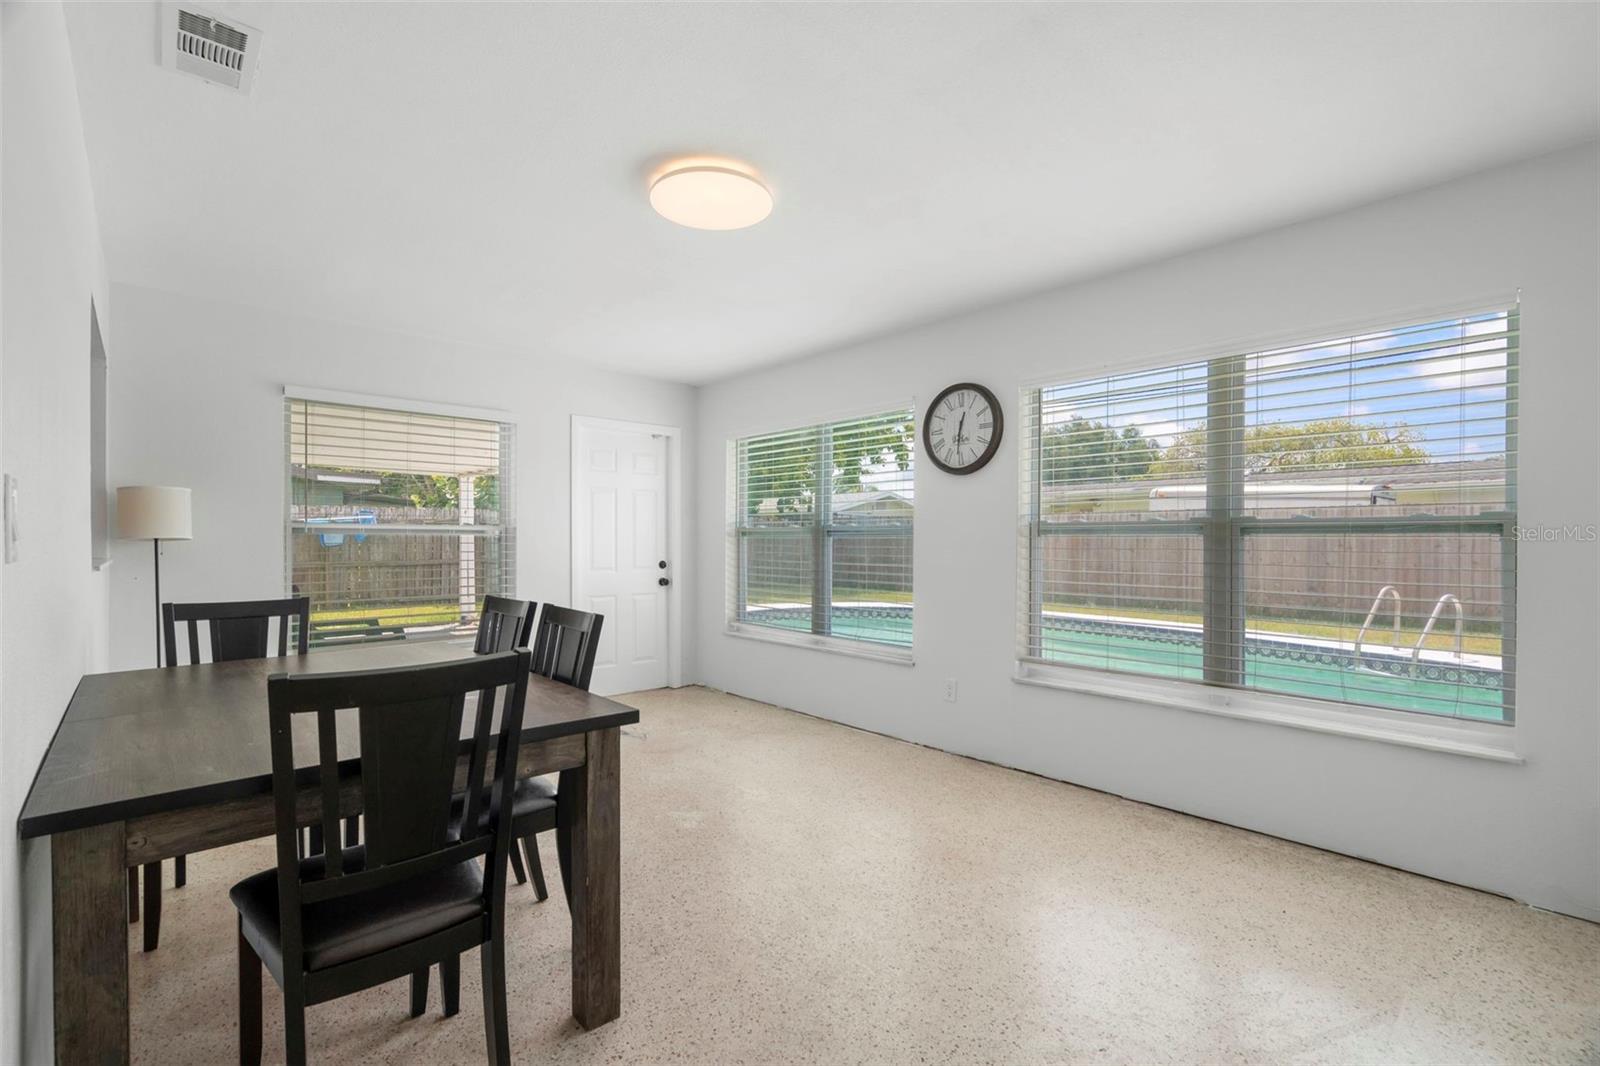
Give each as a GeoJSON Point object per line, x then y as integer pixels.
{"type": "Point", "coordinates": [822, 532]}
{"type": "Point", "coordinates": [504, 532]}
{"type": "Point", "coordinates": [1224, 533]}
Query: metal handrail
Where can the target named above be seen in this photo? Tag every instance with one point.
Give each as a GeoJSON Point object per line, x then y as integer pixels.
{"type": "Point", "coordinates": [1450, 598]}
{"type": "Point", "coordinates": [1387, 590]}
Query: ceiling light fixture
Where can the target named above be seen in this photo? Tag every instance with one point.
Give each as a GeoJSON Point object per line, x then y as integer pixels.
{"type": "Point", "coordinates": [710, 193]}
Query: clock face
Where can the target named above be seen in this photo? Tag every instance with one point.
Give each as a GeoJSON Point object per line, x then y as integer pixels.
{"type": "Point", "coordinates": [961, 430]}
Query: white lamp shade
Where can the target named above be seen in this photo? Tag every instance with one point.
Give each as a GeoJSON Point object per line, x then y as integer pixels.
{"type": "Point", "coordinates": [153, 512]}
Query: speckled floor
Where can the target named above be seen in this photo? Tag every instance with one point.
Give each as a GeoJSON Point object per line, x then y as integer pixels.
{"type": "Point", "coordinates": [795, 891]}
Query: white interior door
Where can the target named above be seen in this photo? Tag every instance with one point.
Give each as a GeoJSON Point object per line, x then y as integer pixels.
{"type": "Point", "coordinates": [621, 565]}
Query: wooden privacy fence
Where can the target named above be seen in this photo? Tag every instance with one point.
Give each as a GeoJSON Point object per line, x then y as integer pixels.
{"type": "Point", "coordinates": [387, 569]}
{"type": "Point", "coordinates": [1311, 576]}
{"type": "Point", "coordinates": [1303, 576]}
{"type": "Point", "coordinates": [861, 564]}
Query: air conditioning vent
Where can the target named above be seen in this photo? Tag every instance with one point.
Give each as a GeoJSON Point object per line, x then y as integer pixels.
{"type": "Point", "coordinates": [220, 51]}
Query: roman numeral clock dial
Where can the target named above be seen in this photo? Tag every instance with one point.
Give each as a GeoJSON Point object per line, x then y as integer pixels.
{"type": "Point", "coordinates": [961, 428]}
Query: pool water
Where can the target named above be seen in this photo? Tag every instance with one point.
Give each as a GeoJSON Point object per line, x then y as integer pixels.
{"type": "Point", "coordinates": [1276, 664]}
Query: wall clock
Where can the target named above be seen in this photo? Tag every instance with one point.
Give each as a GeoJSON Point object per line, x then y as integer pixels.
{"type": "Point", "coordinates": [961, 429]}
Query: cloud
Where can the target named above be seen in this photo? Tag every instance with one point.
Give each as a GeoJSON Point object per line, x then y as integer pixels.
{"type": "Point", "coordinates": [1472, 364]}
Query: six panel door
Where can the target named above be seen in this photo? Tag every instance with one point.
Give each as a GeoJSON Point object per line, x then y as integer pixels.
{"type": "Point", "coordinates": [622, 569]}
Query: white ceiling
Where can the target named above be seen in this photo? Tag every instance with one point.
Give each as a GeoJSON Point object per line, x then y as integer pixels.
{"type": "Point", "coordinates": [476, 171]}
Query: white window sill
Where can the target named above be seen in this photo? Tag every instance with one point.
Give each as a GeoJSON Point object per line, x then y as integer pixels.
{"type": "Point", "coordinates": [1478, 740]}
{"type": "Point", "coordinates": [858, 649]}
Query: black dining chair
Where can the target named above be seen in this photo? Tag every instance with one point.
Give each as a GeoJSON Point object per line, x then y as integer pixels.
{"type": "Point", "coordinates": [565, 644]}
{"type": "Point", "coordinates": [236, 630]}
{"type": "Point", "coordinates": [412, 893]}
{"type": "Point", "coordinates": [564, 648]}
{"type": "Point", "coordinates": [504, 624]}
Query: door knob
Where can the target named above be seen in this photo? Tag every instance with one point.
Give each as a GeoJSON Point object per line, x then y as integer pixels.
{"type": "Point", "coordinates": [663, 582]}
{"type": "Point", "coordinates": [662, 565]}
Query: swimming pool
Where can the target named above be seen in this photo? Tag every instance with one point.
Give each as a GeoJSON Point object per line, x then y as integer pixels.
{"type": "Point", "coordinates": [1273, 662]}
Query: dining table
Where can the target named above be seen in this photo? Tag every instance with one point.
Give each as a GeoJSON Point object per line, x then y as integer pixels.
{"type": "Point", "coordinates": [147, 765]}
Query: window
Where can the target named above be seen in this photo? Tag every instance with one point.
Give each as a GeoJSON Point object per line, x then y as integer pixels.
{"type": "Point", "coordinates": [1331, 520]}
{"type": "Point", "coordinates": [99, 527]}
{"type": "Point", "coordinates": [399, 522]}
{"type": "Point", "coordinates": [820, 526]}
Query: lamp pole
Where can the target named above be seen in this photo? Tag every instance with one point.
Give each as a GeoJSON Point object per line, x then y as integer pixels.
{"type": "Point", "coordinates": [156, 542]}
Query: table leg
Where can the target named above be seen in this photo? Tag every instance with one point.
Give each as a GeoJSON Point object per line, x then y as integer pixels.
{"type": "Point", "coordinates": [588, 829]}
{"type": "Point", "coordinates": [89, 899]}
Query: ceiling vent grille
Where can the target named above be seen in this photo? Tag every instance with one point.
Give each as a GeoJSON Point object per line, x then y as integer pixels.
{"type": "Point", "coordinates": [219, 51]}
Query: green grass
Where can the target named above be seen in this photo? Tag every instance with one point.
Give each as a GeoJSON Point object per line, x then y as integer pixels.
{"type": "Point", "coordinates": [411, 614]}
{"type": "Point", "coordinates": [872, 595]}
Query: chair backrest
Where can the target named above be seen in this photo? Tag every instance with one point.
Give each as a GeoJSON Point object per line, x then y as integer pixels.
{"type": "Point", "coordinates": [565, 644]}
{"type": "Point", "coordinates": [408, 722]}
{"type": "Point", "coordinates": [238, 630]}
{"type": "Point", "coordinates": [504, 624]}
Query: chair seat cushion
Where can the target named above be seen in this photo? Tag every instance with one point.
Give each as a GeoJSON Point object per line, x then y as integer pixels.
{"type": "Point", "coordinates": [530, 797]}
{"type": "Point", "coordinates": [364, 923]}
{"type": "Point", "coordinates": [532, 794]}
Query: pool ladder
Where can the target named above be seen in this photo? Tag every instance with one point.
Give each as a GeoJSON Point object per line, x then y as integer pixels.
{"type": "Point", "coordinates": [1390, 592]}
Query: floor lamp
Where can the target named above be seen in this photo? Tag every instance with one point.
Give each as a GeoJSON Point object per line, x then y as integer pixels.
{"type": "Point", "coordinates": [154, 513]}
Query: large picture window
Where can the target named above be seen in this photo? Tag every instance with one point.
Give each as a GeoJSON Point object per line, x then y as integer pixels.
{"type": "Point", "coordinates": [399, 522]}
{"type": "Point", "coordinates": [1331, 520]}
{"type": "Point", "coordinates": [820, 528]}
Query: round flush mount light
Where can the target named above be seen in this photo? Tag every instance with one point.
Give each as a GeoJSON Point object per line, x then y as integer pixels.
{"type": "Point", "coordinates": [710, 193]}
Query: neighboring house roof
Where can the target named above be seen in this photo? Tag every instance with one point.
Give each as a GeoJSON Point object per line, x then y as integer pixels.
{"type": "Point", "coordinates": [844, 502]}
{"type": "Point", "coordinates": [1482, 474]}
{"type": "Point", "coordinates": [854, 501]}
{"type": "Point", "coordinates": [1409, 475]}
{"type": "Point", "coordinates": [333, 475]}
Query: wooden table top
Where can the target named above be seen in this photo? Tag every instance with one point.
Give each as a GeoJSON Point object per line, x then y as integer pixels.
{"type": "Point", "coordinates": [145, 741]}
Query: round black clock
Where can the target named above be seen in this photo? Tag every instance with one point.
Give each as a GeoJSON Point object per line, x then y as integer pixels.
{"type": "Point", "coordinates": [961, 429]}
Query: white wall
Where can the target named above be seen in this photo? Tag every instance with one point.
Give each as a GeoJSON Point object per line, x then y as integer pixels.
{"type": "Point", "coordinates": [1530, 831]}
{"type": "Point", "coordinates": [198, 401]}
{"type": "Point", "coordinates": [52, 604]}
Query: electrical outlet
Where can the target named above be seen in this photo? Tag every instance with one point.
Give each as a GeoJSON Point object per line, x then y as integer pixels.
{"type": "Point", "coordinates": [950, 690]}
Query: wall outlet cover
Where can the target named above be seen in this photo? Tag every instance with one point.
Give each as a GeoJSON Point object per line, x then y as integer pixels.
{"type": "Point", "coordinates": [11, 533]}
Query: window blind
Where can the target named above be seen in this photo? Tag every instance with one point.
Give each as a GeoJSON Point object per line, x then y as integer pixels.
{"type": "Point", "coordinates": [820, 530]}
{"type": "Point", "coordinates": [1333, 519]}
{"type": "Point", "coordinates": [398, 522]}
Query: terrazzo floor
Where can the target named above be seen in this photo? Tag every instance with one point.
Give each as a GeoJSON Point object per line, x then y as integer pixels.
{"type": "Point", "coordinates": [796, 891]}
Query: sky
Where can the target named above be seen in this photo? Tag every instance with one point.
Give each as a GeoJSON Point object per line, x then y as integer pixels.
{"type": "Point", "coordinates": [1445, 379]}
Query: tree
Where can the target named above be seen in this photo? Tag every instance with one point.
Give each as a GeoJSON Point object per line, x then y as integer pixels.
{"type": "Point", "coordinates": [1321, 444]}
{"type": "Point", "coordinates": [783, 469]}
{"type": "Point", "coordinates": [440, 490]}
{"type": "Point", "coordinates": [1083, 450]}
